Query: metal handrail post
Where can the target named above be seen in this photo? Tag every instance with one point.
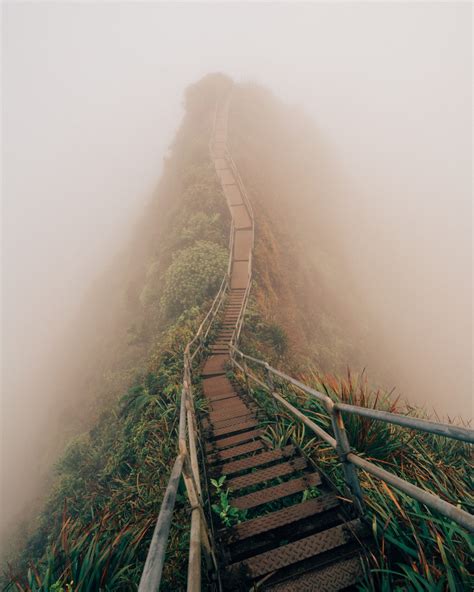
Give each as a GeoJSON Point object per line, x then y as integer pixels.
{"type": "Point", "coordinates": [153, 569]}
{"type": "Point", "coordinates": [270, 382]}
{"type": "Point", "coordinates": [246, 377]}
{"type": "Point", "coordinates": [194, 561]}
{"type": "Point", "coordinates": [343, 449]}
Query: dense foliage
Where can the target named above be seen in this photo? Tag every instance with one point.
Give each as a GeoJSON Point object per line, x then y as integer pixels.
{"type": "Point", "coordinates": [194, 275]}
{"type": "Point", "coordinates": [413, 548]}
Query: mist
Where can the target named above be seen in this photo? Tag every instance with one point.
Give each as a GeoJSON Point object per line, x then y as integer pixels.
{"type": "Point", "coordinates": [92, 96]}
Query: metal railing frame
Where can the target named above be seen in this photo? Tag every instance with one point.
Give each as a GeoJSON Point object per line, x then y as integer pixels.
{"type": "Point", "coordinates": [349, 459]}
{"type": "Point", "coordinates": [187, 465]}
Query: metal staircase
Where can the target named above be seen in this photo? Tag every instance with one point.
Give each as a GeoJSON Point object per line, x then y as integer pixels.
{"type": "Point", "coordinates": [296, 531]}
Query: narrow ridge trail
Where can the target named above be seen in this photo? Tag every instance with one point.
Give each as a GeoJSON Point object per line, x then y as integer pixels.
{"type": "Point", "coordinates": [296, 533]}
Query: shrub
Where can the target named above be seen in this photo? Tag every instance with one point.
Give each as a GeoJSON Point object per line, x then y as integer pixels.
{"type": "Point", "coordinates": [193, 276]}
{"type": "Point", "coordinates": [278, 338]}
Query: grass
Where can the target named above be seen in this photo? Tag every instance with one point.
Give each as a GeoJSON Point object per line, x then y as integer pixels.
{"type": "Point", "coordinates": [414, 549]}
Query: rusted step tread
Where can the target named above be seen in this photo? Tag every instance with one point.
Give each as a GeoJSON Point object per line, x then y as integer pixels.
{"type": "Point", "coordinates": [232, 413]}
{"type": "Point", "coordinates": [229, 413]}
{"type": "Point", "coordinates": [330, 578]}
{"type": "Point", "coordinates": [228, 406]}
{"type": "Point", "coordinates": [267, 474]}
{"type": "Point", "coordinates": [237, 450]}
{"type": "Point", "coordinates": [271, 494]}
{"type": "Point", "coordinates": [234, 440]}
{"type": "Point", "coordinates": [231, 421]}
{"type": "Point", "coordinates": [223, 397]}
{"type": "Point", "coordinates": [241, 427]}
{"type": "Point", "coordinates": [259, 459]}
{"type": "Point", "coordinates": [215, 364]}
{"type": "Point", "coordinates": [283, 517]}
{"type": "Point", "coordinates": [307, 547]}
{"type": "Point", "coordinates": [215, 383]}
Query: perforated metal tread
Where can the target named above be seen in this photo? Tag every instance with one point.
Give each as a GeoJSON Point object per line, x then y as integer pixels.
{"type": "Point", "coordinates": [281, 470]}
{"type": "Point", "coordinates": [215, 364]}
{"type": "Point", "coordinates": [224, 405]}
{"type": "Point", "coordinates": [331, 578]}
{"type": "Point", "coordinates": [271, 494]}
{"type": "Point", "coordinates": [289, 567]}
{"type": "Point", "coordinates": [230, 413]}
{"type": "Point", "coordinates": [234, 440]}
{"type": "Point", "coordinates": [224, 396]}
{"type": "Point", "coordinates": [231, 421]}
{"type": "Point", "coordinates": [270, 561]}
{"type": "Point", "coordinates": [283, 517]}
{"type": "Point", "coordinates": [241, 427]}
{"type": "Point", "coordinates": [216, 384]}
{"type": "Point", "coordinates": [252, 446]}
{"type": "Point", "coordinates": [257, 460]}
{"type": "Point", "coordinates": [219, 349]}
{"type": "Point", "coordinates": [224, 409]}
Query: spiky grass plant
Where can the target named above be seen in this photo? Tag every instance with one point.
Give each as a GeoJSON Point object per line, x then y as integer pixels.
{"type": "Point", "coordinates": [414, 548]}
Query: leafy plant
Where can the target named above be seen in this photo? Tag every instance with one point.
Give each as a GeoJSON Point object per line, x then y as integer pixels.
{"type": "Point", "coordinates": [311, 493]}
{"type": "Point", "coordinates": [228, 514]}
{"type": "Point", "coordinates": [193, 276]}
{"type": "Point", "coordinates": [218, 484]}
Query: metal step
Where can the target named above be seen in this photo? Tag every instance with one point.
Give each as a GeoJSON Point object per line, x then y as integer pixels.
{"type": "Point", "coordinates": [257, 460]}
{"type": "Point", "coordinates": [215, 365]}
{"type": "Point", "coordinates": [283, 517]}
{"type": "Point", "coordinates": [282, 470]}
{"type": "Point", "coordinates": [330, 578]}
{"type": "Point", "coordinates": [228, 408]}
{"type": "Point", "coordinates": [271, 561]}
{"type": "Point", "coordinates": [236, 440]}
{"type": "Point", "coordinates": [223, 397]}
{"type": "Point", "coordinates": [276, 492]}
{"type": "Point", "coordinates": [230, 421]}
{"type": "Point", "coordinates": [241, 427]}
{"type": "Point", "coordinates": [247, 447]}
{"type": "Point", "coordinates": [228, 413]}
{"type": "Point", "coordinates": [216, 384]}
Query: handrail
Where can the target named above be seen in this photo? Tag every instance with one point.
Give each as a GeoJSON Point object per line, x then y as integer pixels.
{"type": "Point", "coordinates": [186, 463]}
{"type": "Point", "coordinates": [348, 458]}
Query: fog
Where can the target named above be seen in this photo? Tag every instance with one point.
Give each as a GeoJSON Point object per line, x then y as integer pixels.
{"type": "Point", "coordinates": [92, 95]}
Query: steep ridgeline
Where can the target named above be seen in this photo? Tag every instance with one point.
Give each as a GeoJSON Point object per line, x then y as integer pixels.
{"type": "Point", "coordinates": [294, 533]}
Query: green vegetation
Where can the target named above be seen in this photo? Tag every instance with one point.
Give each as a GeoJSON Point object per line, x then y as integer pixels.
{"type": "Point", "coordinates": [94, 530]}
{"type": "Point", "coordinates": [193, 277]}
{"type": "Point", "coordinates": [414, 549]}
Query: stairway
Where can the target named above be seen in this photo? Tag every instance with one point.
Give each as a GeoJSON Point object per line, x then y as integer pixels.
{"type": "Point", "coordinates": [283, 542]}
{"type": "Point", "coordinates": [294, 533]}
